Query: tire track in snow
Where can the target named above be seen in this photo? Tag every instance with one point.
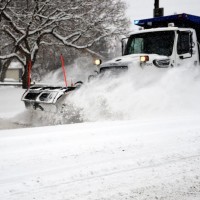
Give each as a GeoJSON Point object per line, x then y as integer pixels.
{"type": "Point", "coordinates": [195, 158]}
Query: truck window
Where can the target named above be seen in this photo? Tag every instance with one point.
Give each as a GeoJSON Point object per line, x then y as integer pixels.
{"type": "Point", "coordinates": [136, 46]}
{"type": "Point", "coordinates": [183, 45]}
{"type": "Point", "coordinates": [160, 43]}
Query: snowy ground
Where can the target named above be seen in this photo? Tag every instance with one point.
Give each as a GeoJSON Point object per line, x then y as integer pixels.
{"type": "Point", "coordinates": [145, 148]}
{"type": "Point", "coordinates": [10, 106]}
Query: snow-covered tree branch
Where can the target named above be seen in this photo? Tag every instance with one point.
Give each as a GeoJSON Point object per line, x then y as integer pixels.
{"type": "Point", "coordinates": [77, 24]}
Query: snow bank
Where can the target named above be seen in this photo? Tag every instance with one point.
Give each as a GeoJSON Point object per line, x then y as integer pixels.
{"type": "Point", "coordinates": [10, 101]}
{"type": "Point", "coordinates": [10, 106]}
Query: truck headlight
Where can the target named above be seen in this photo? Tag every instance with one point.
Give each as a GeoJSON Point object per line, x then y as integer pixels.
{"type": "Point", "coordinates": [161, 63]}
{"type": "Point", "coordinates": [97, 62]}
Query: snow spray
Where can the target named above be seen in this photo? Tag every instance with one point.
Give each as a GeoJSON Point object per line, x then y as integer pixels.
{"type": "Point", "coordinates": [140, 95]}
{"type": "Point", "coordinates": [137, 94]}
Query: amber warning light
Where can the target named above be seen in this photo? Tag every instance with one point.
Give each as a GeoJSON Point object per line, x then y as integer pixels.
{"type": "Point", "coordinates": [144, 58]}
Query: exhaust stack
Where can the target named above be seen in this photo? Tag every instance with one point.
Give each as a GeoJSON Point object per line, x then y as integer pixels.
{"type": "Point", "coordinates": [157, 12]}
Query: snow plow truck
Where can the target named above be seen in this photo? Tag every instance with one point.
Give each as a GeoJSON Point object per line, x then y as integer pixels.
{"type": "Point", "coordinates": [161, 43]}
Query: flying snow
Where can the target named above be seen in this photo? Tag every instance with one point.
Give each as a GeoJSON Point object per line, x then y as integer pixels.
{"type": "Point", "coordinates": [136, 94]}
{"type": "Point", "coordinates": [77, 71]}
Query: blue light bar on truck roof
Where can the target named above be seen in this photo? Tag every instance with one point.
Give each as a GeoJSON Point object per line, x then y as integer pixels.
{"type": "Point", "coordinates": [180, 20]}
{"type": "Point", "coordinates": [136, 22]}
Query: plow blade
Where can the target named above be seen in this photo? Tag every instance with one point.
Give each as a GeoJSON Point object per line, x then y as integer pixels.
{"type": "Point", "coordinates": [49, 99]}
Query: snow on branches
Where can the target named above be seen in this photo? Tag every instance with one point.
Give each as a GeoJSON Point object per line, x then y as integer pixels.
{"type": "Point", "coordinates": [78, 24]}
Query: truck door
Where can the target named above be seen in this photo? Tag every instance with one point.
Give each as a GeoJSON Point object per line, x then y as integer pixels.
{"type": "Point", "coordinates": [186, 55]}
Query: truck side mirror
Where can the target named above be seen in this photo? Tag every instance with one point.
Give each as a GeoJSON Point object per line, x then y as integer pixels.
{"type": "Point", "coordinates": [191, 43]}
{"type": "Point", "coordinates": [124, 43]}
{"type": "Point", "coordinates": [185, 44]}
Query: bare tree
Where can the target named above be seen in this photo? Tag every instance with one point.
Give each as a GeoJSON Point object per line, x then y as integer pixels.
{"type": "Point", "coordinates": [30, 24]}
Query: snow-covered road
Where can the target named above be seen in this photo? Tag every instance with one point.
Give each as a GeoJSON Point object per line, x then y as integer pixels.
{"type": "Point", "coordinates": [139, 140]}
{"type": "Point", "coordinates": [152, 159]}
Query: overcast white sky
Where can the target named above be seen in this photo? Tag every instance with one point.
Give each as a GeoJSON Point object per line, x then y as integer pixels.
{"type": "Point", "coordinates": [141, 9]}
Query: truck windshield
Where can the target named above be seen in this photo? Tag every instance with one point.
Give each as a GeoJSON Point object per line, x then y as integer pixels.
{"type": "Point", "coordinates": [160, 43]}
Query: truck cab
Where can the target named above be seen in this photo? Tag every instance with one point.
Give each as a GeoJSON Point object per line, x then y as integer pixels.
{"type": "Point", "coordinates": [164, 47]}
{"type": "Point", "coordinates": [162, 43]}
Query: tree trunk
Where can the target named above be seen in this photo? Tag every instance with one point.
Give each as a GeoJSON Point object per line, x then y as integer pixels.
{"type": "Point", "coordinates": [1, 68]}
{"type": "Point", "coordinates": [26, 76]}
